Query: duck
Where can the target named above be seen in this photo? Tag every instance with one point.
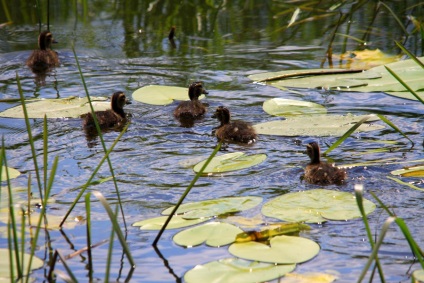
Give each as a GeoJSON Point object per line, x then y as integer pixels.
{"type": "Point", "coordinates": [108, 119]}
{"type": "Point", "coordinates": [233, 131]}
{"type": "Point", "coordinates": [322, 173]}
{"type": "Point", "coordinates": [44, 58]}
{"type": "Point", "coordinates": [193, 108]}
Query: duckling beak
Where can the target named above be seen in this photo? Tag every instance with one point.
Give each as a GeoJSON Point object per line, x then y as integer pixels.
{"type": "Point", "coordinates": [204, 91]}
{"type": "Point", "coordinates": [128, 101]}
{"type": "Point", "coordinates": [54, 41]}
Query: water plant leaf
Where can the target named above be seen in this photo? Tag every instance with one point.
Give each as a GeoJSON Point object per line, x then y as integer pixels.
{"type": "Point", "coordinates": [413, 171]}
{"type": "Point", "coordinates": [364, 59]}
{"type": "Point", "coordinates": [236, 270]}
{"type": "Point", "coordinates": [282, 250]}
{"type": "Point", "coordinates": [230, 162]}
{"type": "Point", "coordinates": [13, 173]}
{"type": "Point", "coordinates": [71, 107]}
{"type": "Point", "coordinates": [418, 275]}
{"type": "Point", "coordinates": [274, 230]}
{"type": "Point", "coordinates": [316, 125]}
{"type": "Point", "coordinates": [5, 265]}
{"type": "Point", "coordinates": [53, 221]}
{"type": "Point", "coordinates": [214, 207]}
{"type": "Point", "coordinates": [161, 95]}
{"type": "Point", "coordinates": [177, 221]}
{"type": "Point", "coordinates": [291, 107]}
{"type": "Point", "coordinates": [315, 206]}
{"type": "Point", "coordinates": [214, 234]}
{"type": "Point", "coordinates": [308, 277]}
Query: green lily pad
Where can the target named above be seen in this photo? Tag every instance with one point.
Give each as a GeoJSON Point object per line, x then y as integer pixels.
{"type": "Point", "coordinates": [175, 223]}
{"type": "Point", "coordinates": [282, 250]}
{"type": "Point", "coordinates": [414, 171]}
{"type": "Point", "coordinates": [236, 270]}
{"type": "Point", "coordinates": [315, 206]}
{"type": "Point", "coordinates": [418, 275]}
{"type": "Point", "coordinates": [214, 207]}
{"type": "Point", "coordinates": [230, 162]}
{"type": "Point", "coordinates": [161, 95]}
{"type": "Point", "coordinates": [53, 221]}
{"type": "Point", "coordinates": [291, 107]}
{"type": "Point", "coordinates": [13, 173]}
{"type": "Point", "coordinates": [71, 107]}
{"type": "Point", "coordinates": [5, 264]}
{"type": "Point", "coordinates": [316, 125]}
{"type": "Point", "coordinates": [214, 234]}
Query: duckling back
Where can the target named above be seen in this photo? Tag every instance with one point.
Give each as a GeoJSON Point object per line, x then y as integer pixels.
{"type": "Point", "coordinates": [237, 131]}
{"type": "Point", "coordinates": [192, 109]}
{"type": "Point", "coordinates": [43, 59]}
{"type": "Point", "coordinates": [324, 174]}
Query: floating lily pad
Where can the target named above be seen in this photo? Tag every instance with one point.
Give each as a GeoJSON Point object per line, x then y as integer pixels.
{"type": "Point", "coordinates": [414, 171]}
{"type": "Point", "coordinates": [71, 107]}
{"type": "Point", "coordinates": [214, 207]}
{"type": "Point", "coordinates": [282, 250]}
{"type": "Point", "coordinates": [308, 277]}
{"type": "Point", "coordinates": [315, 206]}
{"type": "Point", "coordinates": [176, 222]}
{"type": "Point", "coordinates": [161, 95]}
{"type": "Point", "coordinates": [53, 221]}
{"type": "Point", "coordinates": [418, 275]}
{"type": "Point", "coordinates": [316, 125]}
{"type": "Point", "coordinates": [5, 265]}
{"type": "Point", "coordinates": [214, 234]}
{"type": "Point", "coordinates": [13, 173]}
{"type": "Point", "coordinates": [230, 162]}
{"type": "Point", "coordinates": [291, 107]}
{"type": "Point", "coordinates": [236, 270]}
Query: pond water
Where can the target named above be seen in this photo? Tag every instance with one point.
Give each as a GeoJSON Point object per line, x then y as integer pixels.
{"type": "Point", "coordinates": [123, 45]}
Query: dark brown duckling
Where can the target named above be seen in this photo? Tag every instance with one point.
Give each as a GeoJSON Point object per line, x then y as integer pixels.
{"type": "Point", "coordinates": [193, 108]}
{"type": "Point", "coordinates": [233, 131]}
{"type": "Point", "coordinates": [44, 58]}
{"type": "Point", "coordinates": [322, 173]}
{"type": "Point", "coordinates": [111, 118]}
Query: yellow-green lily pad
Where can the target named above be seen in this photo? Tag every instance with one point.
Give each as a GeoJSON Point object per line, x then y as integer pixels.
{"type": "Point", "coordinates": [161, 95]}
{"type": "Point", "coordinates": [282, 250]}
{"type": "Point", "coordinates": [291, 107]}
{"type": "Point", "coordinates": [5, 264]}
{"type": "Point", "coordinates": [214, 234]}
{"type": "Point", "coordinates": [418, 275]}
{"type": "Point", "coordinates": [316, 125]}
{"type": "Point", "coordinates": [13, 173]}
{"type": "Point", "coordinates": [214, 207]}
{"type": "Point", "coordinates": [315, 206]}
{"type": "Point", "coordinates": [230, 162]}
{"type": "Point", "coordinates": [177, 221]}
{"type": "Point", "coordinates": [413, 171]}
{"type": "Point", "coordinates": [236, 270]}
{"type": "Point", "coordinates": [71, 107]}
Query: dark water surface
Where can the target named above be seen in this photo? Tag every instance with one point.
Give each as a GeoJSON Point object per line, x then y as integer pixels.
{"type": "Point", "coordinates": [123, 46]}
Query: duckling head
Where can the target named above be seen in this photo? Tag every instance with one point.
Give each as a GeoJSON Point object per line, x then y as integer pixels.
{"type": "Point", "coordinates": [313, 151]}
{"type": "Point", "coordinates": [222, 114]}
{"type": "Point", "coordinates": [45, 40]}
{"type": "Point", "coordinates": [195, 90]}
{"type": "Point", "coordinates": [118, 102]}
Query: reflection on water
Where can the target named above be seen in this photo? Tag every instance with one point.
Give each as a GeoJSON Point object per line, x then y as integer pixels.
{"type": "Point", "coordinates": [124, 45]}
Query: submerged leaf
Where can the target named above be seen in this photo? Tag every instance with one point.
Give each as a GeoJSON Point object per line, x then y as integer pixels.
{"type": "Point", "coordinates": [5, 265]}
{"type": "Point", "coordinates": [214, 207]}
{"type": "Point", "coordinates": [282, 249]}
{"type": "Point", "coordinates": [316, 125]}
{"type": "Point", "coordinates": [315, 206]}
{"type": "Point", "coordinates": [161, 95]}
{"type": "Point", "coordinates": [309, 277]}
{"type": "Point", "coordinates": [230, 162]}
{"type": "Point", "coordinates": [177, 221]}
{"type": "Point", "coordinates": [276, 230]}
{"type": "Point", "coordinates": [364, 59]}
{"type": "Point", "coordinates": [291, 107]}
{"type": "Point", "coordinates": [413, 171]}
{"type": "Point", "coordinates": [13, 173]}
{"type": "Point", "coordinates": [236, 270]}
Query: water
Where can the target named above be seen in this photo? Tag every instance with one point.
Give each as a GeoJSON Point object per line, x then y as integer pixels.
{"type": "Point", "coordinates": [124, 46]}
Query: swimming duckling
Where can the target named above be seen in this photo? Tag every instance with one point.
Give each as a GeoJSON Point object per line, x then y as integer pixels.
{"type": "Point", "coordinates": [43, 59]}
{"type": "Point", "coordinates": [192, 109]}
{"type": "Point", "coordinates": [235, 131]}
{"type": "Point", "coordinates": [111, 118]}
{"type": "Point", "coordinates": [322, 173]}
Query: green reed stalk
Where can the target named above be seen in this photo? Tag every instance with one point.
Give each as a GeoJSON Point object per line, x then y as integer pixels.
{"type": "Point", "coordinates": [404, 84]}
{"type": "Point", "coordinates": [385, 120]}
{"type": "Point", "coordinates": [115, 226]}
{"type": "Point", "coordinates": [10, 249]}
{"type": "Point", "coordinates": [110, 251]}
{"type": "Point", "coordinates": [190, 186]}
{"type": "Point", "coordinates": [402, 27]}
{"type": "Point", "coordinates": [100, 136]}
{"type": "Point", "coordinates": [412, 56]}
{"type": "Point", "coordinates": [72, 277]}
{"type": "Point", "coordinates": [23, 240]}
{"type": "Point", "coordinates": [88, 230]}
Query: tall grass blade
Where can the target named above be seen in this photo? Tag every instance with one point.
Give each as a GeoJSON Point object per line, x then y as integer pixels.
{"type": "Point", "coordinates": [88, 230]}
{"type": "Point", "coordinates": [10, 249]}
{"type": "Point", "coordinates": [190, 186]}
{"type": "Point", "coordinates": [68, 270]}
{"type": "Point", "coordinates": [347, 134]}
{"type": "Point", "coordinates": [405, 183]}
{"type": "Point", "coordinates": [115, 226]}
{"type": "Point", "coordinates": [387, 121]}
{"type": "Point", "coordinates": [395, 17]}
{"type": "Point", "coordinates": [404, 84]}
{"type": "Point", "coordinates": [110, 251]}
{"type": "Point", "coordinates": [412, 56]}
{"type": "Point", "coordinates": [22, 240]}
{"type": "Point", "coordinates": [45, 149]}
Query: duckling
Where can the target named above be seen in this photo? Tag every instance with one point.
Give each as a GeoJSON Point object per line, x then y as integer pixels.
{"type": "Point", "coordinates": [111, 118]}
{"type": "Point", "coordinates": [235, 131]}
{"type": "Point", "coordinates": [322, 173]}
{"type": "Point", "coordinates": [43, 59]}
{"type": "Point", "coordinates": [192, 109]}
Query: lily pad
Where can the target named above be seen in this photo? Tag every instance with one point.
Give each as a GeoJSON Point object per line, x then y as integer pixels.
{"type": "Point", "coordinates": [317, 125]}
{"type": "Point", "coordinates": [161, 95]}
{"type": "Point", "coordinates": [309, 277]}
{"type": "Point", "coordinates": [414, 171]}
{"type": "Point", "coordinates": [53, 221]}
{"type": "Point", "coordinates": [13, 173]}
{"type": "Point", "coordinates": [5, 264]}
{"type": "Point", "coordinates": [214, 207]}
{"type": "Point", "coordinates": [176, 222]}
{"type": "Point", "coordinates": [214, 234]}
{"type": "Point", "coordinates": [315, 206]}
{"type": "Point", "coordinates": [291, 107]}
{"type": "Point", "coordinates": [236, 270]}
{"type": "Point", "coordinates": [418, 275]}
{"type": "Point", "coordinates": [282, 250]}
{"type": "Point", "coordinates": [230, 162]}
{"type": "Point", "coordinates": [71, 107]}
